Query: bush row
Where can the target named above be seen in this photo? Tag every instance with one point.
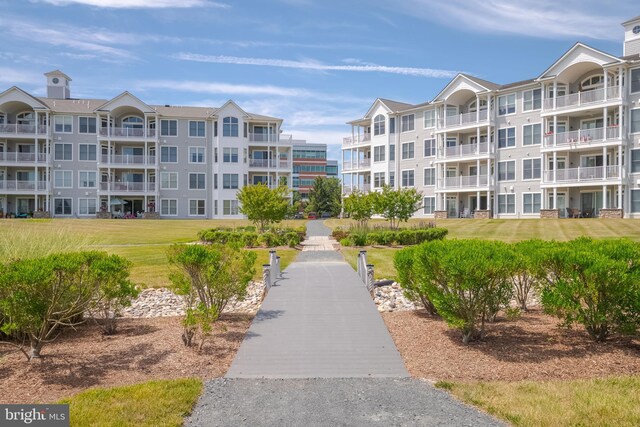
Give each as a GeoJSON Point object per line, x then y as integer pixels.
{"type": "Point", "coordinates": [595, 283]}
{"type": "Point", "coordinates": [362, 237]}
{"type": "Point", "coordinates": [247, 236]}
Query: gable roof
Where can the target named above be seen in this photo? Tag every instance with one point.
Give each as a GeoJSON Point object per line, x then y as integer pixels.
{"type": "Point", "coordinates": [140, 104]}
{"type": "Point", "coordinates": [579, 45]}
{"type": "Point", "coordinates": [72, 105]}
{"type": "Point", "coordinates": [35, 102]}
{"type": "Point", "coordinates": [57, 73]}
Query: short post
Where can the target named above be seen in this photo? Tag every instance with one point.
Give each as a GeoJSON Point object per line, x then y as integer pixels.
{"type": "Point", "coordinates": [278, 267]}
{"type": "Point", "coordinates": [362, 266]}
{"type": "Point", "coordinates": [266, 278]}
{"type": "Point", "coordinates": [369, 281]}
{"type": "Point", "coordinates": [272, 263]}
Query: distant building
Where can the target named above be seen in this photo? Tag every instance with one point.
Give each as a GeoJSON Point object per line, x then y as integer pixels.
{"type": "Point", "coordinates": [332, 169]}
{"type": "Point", "coordinates": [309, 162]}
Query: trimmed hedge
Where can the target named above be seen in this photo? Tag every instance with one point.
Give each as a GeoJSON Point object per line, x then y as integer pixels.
{"type": "Point", "coordinates": [248, 237]}
{"type": "Point", "coordinates": [404, 237]}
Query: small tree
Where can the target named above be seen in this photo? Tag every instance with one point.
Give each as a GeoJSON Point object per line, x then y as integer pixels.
{"type": "Point", "coordinates": [263, 205]}
{"type": "Point", "coordinates": [526, 268]}
{"type": "Point", "coordinates": [208, 276]}
{"type": "Point", "coordinates": [397, 205]}
{"type": "Point", "coordinates": [403, 261]}
{"type": "Point", "coordinates": [325, 196]}
{"type": "Point", "coordinates": [360, 206]}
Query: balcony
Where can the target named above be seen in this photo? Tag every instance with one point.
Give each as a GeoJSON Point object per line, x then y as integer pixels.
{"type": "Point", "coordinates": [363, 163]}
{"type": "Point", "coordinates": [348, 189]}
{"type": "Point", "coordinates": [583, 174]}
{"type": "Point", "coordinates": [351, 141]}
{"type": "Point", "coordinates": [23, 131]}
{"type": "Point", "coordinates": [463, 182]}
{"type": "Point", "coordinates": [269, 163]}
{"type": "Point", "coordinates": [263, 139]}
{"type": "Point", "coordinates": [587, 98]}
{"type": "Point", "coordinates": [464, 150]}
{"type": "Point", "coordinates": [128, 187]}
{"type": "Point", "coordinates": [127, 160]}
{"type": "Point", "coordinates": [23, 186]}
{"type": "Point", "coordinates": [466, 119]}
{"type": "Point", "coordinates": [582, 138]}
{"type": "Point", "coordinates": [126, 133]}
{"type": "Point", "coordinates": [23, 158]}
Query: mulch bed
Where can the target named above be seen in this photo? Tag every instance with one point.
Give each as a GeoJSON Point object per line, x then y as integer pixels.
{"type": "Point", "coordinates": [534, 347]}
{"type": "Point", "coordinates": [142, 350]}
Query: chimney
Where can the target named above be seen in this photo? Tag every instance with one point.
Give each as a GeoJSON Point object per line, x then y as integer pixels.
{"type": "Point", "coordinates": [631, 37]}
{"type": "Point", "coordinates": [58, 85]}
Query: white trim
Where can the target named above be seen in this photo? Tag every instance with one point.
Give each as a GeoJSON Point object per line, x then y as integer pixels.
{"type": "Point", "coordinates": [515, 138]}
{"type": "Point", "coordinates": [424, 175]}
{"type": "Point", "coordinates": [197, 215]}
{"type": "Point", "coordinates": [402, 144]}
{"type": "Point", "coordinates": [54, 177]}
{"type": "Point", "coordinates": [169, 188]}
{"type": "Point", "coordinates": [169, 200]}
{"type": "Point", "coordinates": [55, 144]}
{"type": "Point", "coordinates": [435, 147]}
{"type": "Point", "coordinates": [531, 192]}
{"type": "Point", "coordinates": [515, 104]}
{"type": "Point", "coordinates": [542, 135]}
{"type": "Point", "coordinates": [541, 100]}
{"type": "Point", "coordinates": [95, 180]}
{"type": "Point", "coordinates": [515, 171]}
{"type": "Point", "coordinates": [630, 121]}
{"type": "Point", "coordinates": [204, 157]}
{"type": "Point", "coordinates": [168, 128]}
{"type": "Point", "coordinates": [522, 165]}
{"type": "Point", "coordinates": [198, 173]}
{"type": "Point", "coordinates": [53, 204]}
{"type": "Point", "coordinates": [515, 204]}
{"type": "Point", "coordinates": [95, 199]}
{"type": "Point", "coordinates": [401, 178]}
{"type": "Point", "coordinates": [189, 128]}
{"type": "Point", "coordinates": [87, 117]}
{"type": "Point", "coordinates": [414, 123]}
{"type": "Point", "coordinates": [169, 146]}
{"type": "Point", "coordinates": [88, 145]}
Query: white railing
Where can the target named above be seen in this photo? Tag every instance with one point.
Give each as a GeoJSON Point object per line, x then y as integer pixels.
{"type": "Point", "coordinates": [269, 163]}
{"type": "Point", "coordinates": [263, 137]}
{"type": "Point", "coordinates": [583, 98]}
{"type": "Point", "coordinates": [583, 174]}
{"type": "Point", "coordinates": [128, 187]}
{"type": "Point", "coordinates": [466, 150]}
{"type": "Point", "coordinates": [362, 163]}
{"type": "Point", "coordinates": [464, 119]}
{"type": "Point", "coordinates": [464, 181]}
{"type": "Point", "coordinates": [16, 157]}
{"type": "Point", "coordinates": [582, 136]}
{"type": "Point", "coordinates": [24, 129]}
{"type": "Point", "coordinates": [127, 132]}
{"type": "Point", "coordinates": [128, 159]}
{"type": "Point", "coordinates": [355, 140]}
{"type": "Point", "coordinates": [364, 188]}
{"type": "Point", "coordinates": [24, 185]}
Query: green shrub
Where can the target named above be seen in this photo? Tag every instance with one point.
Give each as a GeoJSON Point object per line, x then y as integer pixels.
{"type": "Point", "coordinates": [248, 237]}
{"type": "Point", "coordinates": [346, 242]}
{"type": "Point", "coordinates": [339, 234]}
{"type": "Point", "coordinates": [403, 261]}
{"type": "Point", "coordinates": [407, 237]}
{"type": "Point", "coordinates": [292, 239]}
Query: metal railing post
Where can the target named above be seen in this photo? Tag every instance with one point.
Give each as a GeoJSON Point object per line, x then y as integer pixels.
{"type": "Point", "coordinates": [369, 281]}
{"type": "Point", "coordinates": [266, 278]}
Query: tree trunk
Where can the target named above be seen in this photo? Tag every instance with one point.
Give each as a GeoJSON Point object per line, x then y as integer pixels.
{"type": "Point", "coordinates": [36, 347]}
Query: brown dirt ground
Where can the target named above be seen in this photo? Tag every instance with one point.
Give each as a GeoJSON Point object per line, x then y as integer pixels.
{"type": "Point", "coordinates": [534, 347]}
{"type": "Point", "coordinates": [142, 350]}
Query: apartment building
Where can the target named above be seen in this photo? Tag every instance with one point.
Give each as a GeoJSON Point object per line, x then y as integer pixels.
{"type": "Point", "coordinates": [564, 144]}
{"type": "Point", "coordinates": [66, 157]}
{"type": "Point", "coordinates": [309, 162]}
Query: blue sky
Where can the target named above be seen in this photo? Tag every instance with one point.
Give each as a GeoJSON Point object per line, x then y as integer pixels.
{"type": "Point", "coordinates": [315, 63]}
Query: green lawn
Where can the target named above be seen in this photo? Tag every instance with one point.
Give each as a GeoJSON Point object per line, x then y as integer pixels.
{"type": "Point", "coordinates": [593, 402]}
{"type": "Point", "coordinates": [381, 258]}
{"type": "Point", "coordinates": [154, 403]}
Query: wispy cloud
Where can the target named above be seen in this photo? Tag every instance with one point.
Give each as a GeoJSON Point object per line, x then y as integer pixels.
{"type": "Point", "coordinates": [14, 76]}
{"type": "Point", "coordinates": [138, 4]}
{"type": "Point", "coordinates": [315, 65]}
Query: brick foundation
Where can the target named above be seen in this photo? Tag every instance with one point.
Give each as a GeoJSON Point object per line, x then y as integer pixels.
{"type": "Point", "coordinates": [41, 214]}
{"type": "Point", "coordinates": [103, 215]}
{"type": "Point", "coordinates": [549, 213]}
{"type": "Point", "coordinates": [151, 215]}
{"type": "Point", "coordinates": [611, 213]}
{"type": "Point", "coordinates": [482, 214]}
{"type": "Point", "coordinates": [440, 214]}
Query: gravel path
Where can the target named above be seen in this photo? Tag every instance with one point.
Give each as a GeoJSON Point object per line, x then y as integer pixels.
{"type": "Point", "coordinates": [331, 402]}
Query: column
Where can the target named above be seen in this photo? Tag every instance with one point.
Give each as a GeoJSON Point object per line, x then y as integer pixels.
{"type": "Point", "coordinates": [555, 96]}
{"type": "Point", "coordinates": [478, 110]}
{"type": "Point", "coordinates": [555, 197]}
{"type": "Point", "coordinates": [619, 197]}
{"type": "Point", "coordinates": [555, 168]}
{"type": "Point", "coordinates": [604, 162]}
{"type": "Point", "coordinates": [604, 197]}
{"type": "Point", "coordinates": [555, 127]}
{"type": "Point", "coordinates": [478, 140]}
{"type": "Point", "coordinates": [478, 173]}
{"type": "Point", "coordinates": [606, 84]}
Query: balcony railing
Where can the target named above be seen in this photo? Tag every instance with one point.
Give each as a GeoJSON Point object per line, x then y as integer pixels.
{"type": "Point", "coordinates": [269, 163]}
{"type": "Point", "coordinates": [127, 132]}
{"type": "Point", "coordinates": [583, 98]}
{"type": "Point", "coordinates": [464, 119]}
{"type": "Point", "coordinates": [466, 150]}
{"type": "Point", "coordinates": [582, 174]}
{"type": "Point", "coordinates": [263, 137]}
{"type": "Point", "coordinates": [126, 159]}
{"type": "Point", "coordinates": [9, 185]}
{"type": "Point", "coordinates": [363, 163]}
{"type": "Point", "coordinates": [582, 136]}
{"type": "Point", "coordinates": [24, 129]}
{"type": "Point", "coordinates": [15, 157]}
{"type": "Point", "coordinates": [128, 187]}
{"type": "Point", "coordinates": [464, 181]}
{"type": "Point", "coordinates": [355, 140]}
{"type": "Point", "coordinates": [364, 188]}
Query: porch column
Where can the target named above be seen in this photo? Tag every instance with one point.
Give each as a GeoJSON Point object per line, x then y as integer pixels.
{"type": "Point", "coordinates": [555, 127]}
{"type": "Point", "coordinates": [478, 172]}
{"type": "Point", "coordinates": [555, 96]}
{"type": "Point", "coordinates": [619, 197]}
{"type": "Point", "coordinates": [478, 113]}
{"type": "Point", "coordinates": [620, 162]}
{"type": "Point", "coordinates": [604, 197]}
{"type": "Point", "coordinates": [478, 141]}
{"type": "Point", "coordinates": [555, 167]}
{"type": "Point", "coordinates": [543, 201]}
{"type": "Point", "coordinates": [605, 73]}
{"type": "Point", "coordinates": [444, 144]}
{"type": "Point", "coordinates": [604, 162]}
{"type": "Point", "coordinates": [555, 198]}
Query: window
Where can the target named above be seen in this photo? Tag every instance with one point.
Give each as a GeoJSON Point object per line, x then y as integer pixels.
{"type": "Point", "coordinates": [230, 126]}
{"type": "Point", "coordinates": [230, 155]}
{"type": "Point", "coordinates": [168, 128]}
{"type": "Point", "coordinates": [229, 207]}
{"type": "Point", "coordinates": [169, 154]}
{"type": "Point", "coordinates": [392, 152]}
{"type": "Point", "coordinates": [506, 104]}
{"type": "Point", "coordinates": [635, 161]}
{"type": "Point", "coordinates": [63, 179]}
{"type": "Point", "coordinates": [392, 125]}
{"type": "Point", "coordinates": [87, 124]}
{"type": "Point", "coordinates": [593, 82]}
{"type": "Point", "coordinates": [196, 129]}
{"type": "Point", "coordinates": [392, 179]}
{"type": "Point", "coordinates": [87, 179]}
{"type": "Point", "coordinates": [87, 152]}
{"type": "Point", "coordinates": [196, 155]}
{"type": "Point", "coordinates": [635, 200]}
{"type": "Point", "coordinates": [196, 207]}
{"type": "Point", "coordinates": [407, 150]}
{"type": "Point", "coordinates": [532, 100]}
{"type": "Point", "coordinates": [429, 147]}
{"type": "Point", "coordinates": [230, 180]}
{"type": "Point", "coordinates": [635, 120]}
{"type": "Point", "coordinates": [378, 153]}
{"type": "Point", "coordinates": [531, 169]}
{"type": "Point", "coordinates": [378, 125]}
{"type": "Point", "coordinates": [196, 181]}
{"type": "Point", "coordinates": [507, 170]}
{"type": "Point", "coordinates": [132, 122]}
{"type": "Point", "coordinates": [408, 178]}
{"type": "Point", "coordinates": [86, 206]}
{"type": "Point", "coordinates": [532, 134]}
{"type": "Point", "coordinates": [169, 180]}
{"type": "Point", "coordinates": [635, 80]}
{"type": "Point", "coordinates": [531, 203]}
{"type": "Point", "coordinates": [407, 123]}
{"type": "Point", "coordinates": [169, 207]}
{"type": "Point", "coordinates": [63, 152]}
{"type": "Point", "coordinates": [430, 119]}
{"type": "Point", "coordinates": [506, 137]}
{"type": "Point", "coordinates": [429, 176]}
{"type": "Point", "coordinates": [63, 124]}
{"type": "Point", "coordinates": [62, 206]}
{"type": "Point", "coordinates": [378, 179]}
{"type": "Point", "coordinates": [507, 203]}
{"type": "Point", "coordinates": [429, 205]}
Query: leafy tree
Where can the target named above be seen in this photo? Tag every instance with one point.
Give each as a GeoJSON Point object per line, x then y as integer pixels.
{"type": "Point", "coordinates": [403, 261]}
{"type": "Point", "coordinates": [325, 196]}
{"type": "Point", "coordinates": [360, 206]}
{"type": "Point", "coordinates": [397, 205]}
{"type": "Point", "coordinates": [208, 276]}
{"type": "Point", "coordinates": [263, 205]}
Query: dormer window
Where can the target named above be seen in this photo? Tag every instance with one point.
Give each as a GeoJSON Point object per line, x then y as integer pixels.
{"type": "Point", "coordinates": [132, 122]}
{"type": "Point", "coordinates": [379, 125]}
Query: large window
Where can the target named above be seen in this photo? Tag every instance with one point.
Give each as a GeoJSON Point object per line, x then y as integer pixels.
{"type": "Point", "coordinates": [429, 205]}
{"type": "Point", "coordinates": [531, 169]}
{"type": "Point", "coordinates": [230, 155]}
{"type": "Point", "coordinates": [169, 180]}
{"type": "Point", "coordinates": [168, 128]}
{"type": "Point", "coordinates": [506, 137]}
{"type": "Point", "coordinates": [87, 152]}
{"type": "Point", "coordinates": [407, 123]}
{"type": "Point", "coordinates": [196, 155]}
{"type": "Point", "coordinates": [87, 179]}
{"type": "Point", "coordinates": [429, 147]}
{"type": "Point", "coordinates": [635, 120]}
{"type": "Point", "coordinates": [196, 181]}
{"type": "Point", "coordinates": [62, 206]}
{"type": "Point", "coordinates": [378, 125]}
{"type": "Point", "coordinates": [429, 176]}
{"type": "Point", "coordinates": [169, 154]}
{"type": "Point", "coordinates": [378, 179]}
{"type": "Point", "coordinates": [408, 150]}
{"type": "Point", "coordinates": [196, 129]}
{"type": "Point", "coordinates": [169, 207]}
{"type": "Point", "coordinates": [63, 124]}
{"type": "Point", "coordinates": [392, 125]}
{"type": "Point", "coordinates": [430, 119]}
{"type": "Point", "coordinates": [63, 152]}
{"type": "Point", "coordinates": [635, 80]}
{"type": "Point", "coordinates": [87, 124]}
{"type": "Point", "coordinates": [408, 178]}
{"type": "Point", "coordinates": [62, 179]}
{"type": "Point", "coordinates": [531, 203]}
{"type": "Point", "coordinates": [196, 207]}
{"type": "Point", "coordinates": [532, 100]}
{"type": "Point", "coordinates": [229, 207]}
{"type": "Point", "coordinates": [86, 206]}
{"type": "Point", "coordinates": [507, 170]}
{"type": "Point", "coordinates": [635, 161]}
{"type": "Point", "coordinates": [230, 180]}
{"type": "Point", "coordinates": [506, 104]}
{"type": "Point", "coordinates": [532, 134]}
{"type": "Point", "coordinates": [230, 126]}
{"type": "Point", "coordinates": [507, 203]}
{"type": "Point", "coordinates": [378, 153]}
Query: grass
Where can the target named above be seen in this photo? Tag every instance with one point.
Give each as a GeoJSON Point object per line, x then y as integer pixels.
{"type": "Point", "coordinates": [154, 403]}
{"type": "Point", "coordinates": [593, 402]}
{"type": "Point", "coordinates": [381, 258]}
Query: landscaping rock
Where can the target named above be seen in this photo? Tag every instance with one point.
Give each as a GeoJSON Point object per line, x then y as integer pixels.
{"type": "Point", "coordinates": [391, 298]}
